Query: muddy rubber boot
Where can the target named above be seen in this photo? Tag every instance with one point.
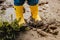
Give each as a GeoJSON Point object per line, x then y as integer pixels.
{"type": "Point", "coordinates": [34, 13]}
{"type": "Point", "coordinates": [37, 21]}
{"type": "Point", "coordinates": [19, 14]}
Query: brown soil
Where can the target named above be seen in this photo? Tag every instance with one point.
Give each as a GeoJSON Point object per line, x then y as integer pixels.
{"type": "Point", "coordinates": [49, 10]}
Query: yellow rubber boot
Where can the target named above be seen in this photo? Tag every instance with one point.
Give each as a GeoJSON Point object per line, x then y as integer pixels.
{"type": "Point", "coordinates": [19, 14]}
{"type": "Point", "coordinates": [34, 11]}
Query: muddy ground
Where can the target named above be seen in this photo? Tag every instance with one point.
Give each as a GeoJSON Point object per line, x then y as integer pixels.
{"type": "Point", "coordinates": [49, 10]}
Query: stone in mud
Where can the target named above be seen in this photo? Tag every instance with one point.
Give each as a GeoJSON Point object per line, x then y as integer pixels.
{"type": "Point", "coordinates": [55, 33]}
{"type": "Point", "coordinates": [42, 33]}
{"type": "Point", "coordinates": [34, 29]}
{"type": "Point", "coordinates": [57, 23]}
{"type": "Point", "coordinates": [51, 21]}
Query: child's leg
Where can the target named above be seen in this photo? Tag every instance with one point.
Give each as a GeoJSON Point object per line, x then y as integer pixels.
{"type": "Point", "coordinates": [18, 5]}
{"type": "Point", "coordinates": [34, 9]}
{"type": "Point", "coordinates": [19, 2]}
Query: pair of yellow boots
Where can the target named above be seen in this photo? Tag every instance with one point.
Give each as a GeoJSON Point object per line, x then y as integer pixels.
{"type": "Point", "coordinates": [19, 13]}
